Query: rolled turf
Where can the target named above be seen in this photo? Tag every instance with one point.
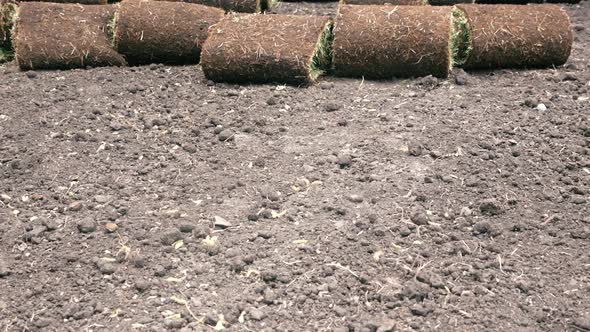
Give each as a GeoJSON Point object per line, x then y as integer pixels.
{"type": "Point", "coordinates": [162, 32]}
{"type": "Point", "coordinates": [7, 16]}
{"type": "Point", "coordinates": [63, 36]}
{"type": "Point", "coordinates": [512, 36]}
{"type": "Point", "coordinates": [386, 2]}
{"type": "Point", "coordinates": [292, 49]}
{"type": "Point", "coordinates": [240, 6]}
{"type": "Point", "coordinates": [382, 42]}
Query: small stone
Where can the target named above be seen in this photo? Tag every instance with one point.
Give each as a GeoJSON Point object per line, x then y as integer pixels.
{"type": "Point", "coordinates": [414, 149]}
{"type": "Point", "coordinates": [172, 213]}
{"type": "Point", "coordinates": [226, 135]}
{"type": "Point", "coordinates": [111, 227]}
{"type": "Point", "coordinates": [31, 74]}
{"type": "Point", "coordinates": [344, 160]}
{"type": "Point", "coordinates": [170, 236]}
{"type": "Point", "coordinates": [102, 199]}
{"type": "Point", "coordinates": [355, 198]}
{"type": "Point", "coordinates": [569, 77]}
{"type": "Point", "coordinates": [190, 148]}
{"type": "Point", "coordinates": [331, 107]}
{"type": "Point", "coordinates": [419, 218]}
{"type": "Point", "coordinates": [142, 285]}
{"type": "Point", "coordinates": [420, 310]}
{"type": "Point", "coordinates": [257, 314]}
{"type": "Point", "coordinates": [76, 206]}
{"type": "Point", "coordinates": [541, 108]}
{"type": "Point", "coordinates": [186, 228]}
{"type": "Point", "coordinates": [4, 270]}
{"type": "Point", "coordinates": [219, 222]}
{"type": "Point", "coordinates": [340, 311]}
{"type": "Point", "coordinates": [105, 267]}
{"type": "Point", "coordinates": [86, 225]}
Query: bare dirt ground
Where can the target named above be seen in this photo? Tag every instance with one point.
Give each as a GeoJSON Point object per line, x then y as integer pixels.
{"type": "Point", "coordinates": [148, 199]}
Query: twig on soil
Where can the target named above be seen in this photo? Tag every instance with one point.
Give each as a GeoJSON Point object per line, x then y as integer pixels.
{"type": "Point", "coordinates": [340, 266]}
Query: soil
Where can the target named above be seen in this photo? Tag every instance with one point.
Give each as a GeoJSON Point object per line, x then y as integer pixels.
{"type": "Point", "coordinates": [148, 199]}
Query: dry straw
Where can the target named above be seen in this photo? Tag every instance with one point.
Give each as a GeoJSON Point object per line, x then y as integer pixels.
{"type": "Point", "coordinates": [63, 36]}
{"type": "Point", "coordinates": [293, 49]}
{"type": "Point", "coordinates": [162, 32]}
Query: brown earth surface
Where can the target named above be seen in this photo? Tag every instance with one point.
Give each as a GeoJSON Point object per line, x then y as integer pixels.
{"type": "Point", "coordinates": [148, 199]}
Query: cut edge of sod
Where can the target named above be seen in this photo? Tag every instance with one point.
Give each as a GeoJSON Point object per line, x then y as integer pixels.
{"type": "Point", "coordinates": [8, 18]}
{"type": "Point", "coordinates": [460, 40]}
{"type": "Point", "coordinates": [264, 5]}
{"type": "Point", "coordinates": [321, 60]}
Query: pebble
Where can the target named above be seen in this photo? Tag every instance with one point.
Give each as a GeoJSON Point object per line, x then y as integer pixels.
{"type": "Point", "coordinates": [331, 107]}
{"type": "Point", "coordinates": [86, 225]}
{"type": "Point", "coordinates": [344, 160]}
{"type": "Point", "coordinates": [142, 285]}
{"type": "Point", "coordinates": [419, 218]}
{"type": "Point", "coordinates": [111, 227]}
{"type": "Point", "coordinates": [102, 199]}
{"type": "Point", "coordinates": [219, 222]}
{"type": "Point", "coordinates": [257, 314]}
{"type": "Point", "coordinates": [105, 267]}
{"type": "Point", "coordinates": [186, 228]}
{"type": "Point", "coordinates": [76, 206]}
{"type": "Point", "coordinates": [541, 107]}
{"type": "Point", "coordinates": [355, 198]}
{"type": "Point", "coordinates": [226, 135]}
{"type": "Point", "coordinates": [420, 310]}
{"type": "Point", "coordinates": [170, 236]}
{"type": "Point", "coordinates": [4, 270]}
{"type": "Point", "coordinates": [31, 74]}
{"type": "Point", "coordinates": [414, 148]}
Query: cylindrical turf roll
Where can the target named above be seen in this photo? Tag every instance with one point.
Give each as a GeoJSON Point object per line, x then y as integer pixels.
{"type": "Point", "coordinates": [240, 6]}
{"type": "Point", "coordinates": [291, 49]}
{"type": "Point", "coordinates": [7, 16]}
{"type": "Point", "coordinates": [505, 36]}
{"type": "Point", "coordinates": [63, 36]}
{"type": "Point", "coordinates": [381, 42]}
{"type": "Point", "coordinates": [162, 32]}
{"type": "Point", "coordinates": [386, 2]}
{"type": "Point", "coordinates": [511, 2]}
{"type": "Point", "coordinates": [82, 2]}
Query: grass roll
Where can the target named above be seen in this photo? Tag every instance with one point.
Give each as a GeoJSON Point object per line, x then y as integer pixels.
{"type": "Point", "coordinates": [63, 36]}
{"type": "Point", "coordinates": [251, 48]}
{"type": "Point", "coordinates": [382, 42]}
{"type": "Point", "coordinates": [512, 36]}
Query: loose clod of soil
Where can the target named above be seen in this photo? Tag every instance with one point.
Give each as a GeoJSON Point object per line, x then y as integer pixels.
{"type": "Point", "coordinates": [291, 49]}
{"type": "Point", "coordinates": [148, 32]}
{"type": "Point", "coordinates": [382, 42]}
{"type": "Point", "coordinates": [511, 36]}
{"type": "Point", "coordinates": [238, 6]}
{"type": "Point", "coordinates": [7, 16]}
{"type": "Point", "coordinates": [63, 36]}
{"type": "Point", "coordinates": [386, 2]}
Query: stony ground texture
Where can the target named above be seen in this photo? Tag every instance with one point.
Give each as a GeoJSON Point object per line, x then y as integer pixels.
{"type": "Point", "coordinates": [148, 199]}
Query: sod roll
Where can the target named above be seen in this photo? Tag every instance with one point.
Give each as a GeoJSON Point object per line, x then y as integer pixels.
{"type": "Point", "coordinates": [7, 16]}
{"type": "Point", "coordinates": [162, 32]}
{"type": "Point", "coordinates": [292, 49]}
{"type": "Point", "coordinates": [63, 36]}
{"type": "Point", "coordinates": [386, 2]}
{"type": "Point", "coordinates": [382, 42]}
{"type": "Point", "coordinates": [240, 6]}
{"type": "Point", "coordinates": [512, 36]}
